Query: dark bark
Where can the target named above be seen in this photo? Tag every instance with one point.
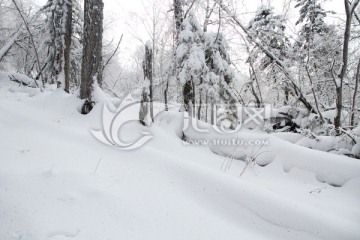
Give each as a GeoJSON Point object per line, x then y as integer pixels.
{"type": "Point", "coordinates": [212, 111]}
{"type": "Point", "coordinates": [147, 93]}
{"type": "Point", "coordinates": [206, 107]}
{"type": "Point", "coordinates": [149, 58]}
{"type": "Point", "coordinates": [144, 107]}
{"type": "Point", "coordinates": [91, 69]}
{"type": "Point", "coordinates": [200, 100]}
{"type": "Point", "coordinates": [166, 94]}
{"type": "Point", "coordinates": [179, 15]}
{"type": "Point", "coordinates": [67, 47]}
{"type": "Point", "coordinates": [113, 53]}
{"type": "Point", "coordinates": [188, 95]}
{"type": "Point", "coordinates": [253, 77]}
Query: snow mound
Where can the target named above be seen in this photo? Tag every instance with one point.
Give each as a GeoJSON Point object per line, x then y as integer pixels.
{"type": "Point", "coordinates": [58, 182]}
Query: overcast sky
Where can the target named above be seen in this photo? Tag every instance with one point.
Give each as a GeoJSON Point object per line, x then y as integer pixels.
{"type": "Point", "coordinates": [121, 18]}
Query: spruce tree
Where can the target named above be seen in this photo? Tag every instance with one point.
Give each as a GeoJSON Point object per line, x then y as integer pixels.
{"type": "Point", "coordinates": [268, 29]}
{"type": "Point", "coordinates": [59, 27]}
{"type": "Point", "coordinates": [190, 59]}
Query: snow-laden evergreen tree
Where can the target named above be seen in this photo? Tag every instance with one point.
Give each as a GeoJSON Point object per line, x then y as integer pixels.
{"type": "Point", "coordinates": [59, 24]}
{"type": "Point", "coordinates": [268, 29]}
{"type": "Point", "coordinates": [219, 79]}
{"type": "Point", "coordinates": [190, 59]}
{"type": "Point", "coordinates": [317, 47]}
{"type": "Point", "coordinates": [313, 15]}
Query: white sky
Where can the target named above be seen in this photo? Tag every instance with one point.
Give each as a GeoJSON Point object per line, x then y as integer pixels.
{"type": "Point", "coordinates": [124, 12]}
{"type": "Point", "coordinates": [120, 13]}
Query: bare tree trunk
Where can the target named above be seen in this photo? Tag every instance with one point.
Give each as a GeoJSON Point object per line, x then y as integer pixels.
{"type": "Point", "coordinates": [206, 107]}
{"type": "Point", "coordinates": [200, 100]}
{"type": "Point", "coordinates": [67, 47]}
{"type": "Point", "coordinates": [349, 9]}
{"type": "Point", "coordinates": [179, 17]}
{"type": "Point", "coordinates": [144, 102]}
{"type": "Point", "coordinates": [212, 111]}
{"type": "Point", "coordinates": [353, 107]}
{"type": "Point", "coordinates": [178, 14]}
{"type": "Point", "coordinates": [253, 77]}
{"type": "Point", "coordinates": [209, 10]}
{"type": "Point", "coordinates": [257, 99]}
{"type": "Point", "coordinates": [149, 76]}
{"type": "Point", "coordinates": [91, 70]}
{"type": "Point", "coordinates": [166, 94]}
{"type": "Point", "coordinates": [147, 93]}
{"type": "Point", "coordinates": [188, 95]}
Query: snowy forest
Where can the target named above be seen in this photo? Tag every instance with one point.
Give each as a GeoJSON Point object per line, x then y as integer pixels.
{"type": "Point", "coordinates": [201, 119]}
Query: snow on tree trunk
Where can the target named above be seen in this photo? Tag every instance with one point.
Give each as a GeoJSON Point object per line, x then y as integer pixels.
{"type": "Point", "coordinates": [58, 29]}
{"type": "Point", "coordinates": [178, 14]}
{"type": "Point", "coordinates": [144, 102]}
{"type": "Point", "coordinates": [147, 92]}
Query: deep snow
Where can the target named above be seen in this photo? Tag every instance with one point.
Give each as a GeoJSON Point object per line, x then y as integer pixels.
{"type": "Point", "coordinates": [58, 182]}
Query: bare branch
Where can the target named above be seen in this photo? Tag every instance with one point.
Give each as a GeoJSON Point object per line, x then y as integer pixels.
{"type": "Point", "coordinates": [32, 42]}
{"type": "Point", "coordinates": [189, 9]}
{"type": "Point", "coordinates": [114, 53]}
{"type": "Point", "coordinates": [272, 56]}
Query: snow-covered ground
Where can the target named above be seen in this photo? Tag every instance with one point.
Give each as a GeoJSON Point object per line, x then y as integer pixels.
{"type": "Point", "coordinates": [58, 182]}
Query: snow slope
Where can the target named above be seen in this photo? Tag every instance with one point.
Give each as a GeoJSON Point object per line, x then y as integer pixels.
{"type": "Point", "coordinates": [58, 182]}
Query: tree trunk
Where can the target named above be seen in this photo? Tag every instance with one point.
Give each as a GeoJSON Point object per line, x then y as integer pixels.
{"type": "Point", "coordinates": [67, 47]}
{"type": "Point", "coordinates": [212, 112]}
{"type": "Point", "coordinates": [349, 9]}
{"type": "Point", "coordinates": [144, 107]}
{"type": "Point", "coordinates": [200, 106]}
{"type": "Point", "coordinates": [149, 73]}
{"type": "Point", "coordinates": [206, 107]}
{"type": "Point", "coordinates": [166, 94]}
{"type": "Point", "coordinates": [91, 68]}
{"type": "Point", "coordinates": [188, 95]}
{"type": "Point", "coordinates": [179, 15]}
{"type": "Point", "coordinates": [353, 107]}
{"type": "Point", "coordinates": [147, 94]}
